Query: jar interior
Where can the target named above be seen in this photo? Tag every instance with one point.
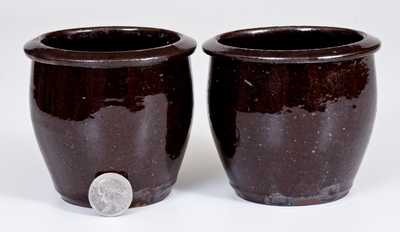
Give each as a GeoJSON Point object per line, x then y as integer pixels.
{"type": "Point", "coordinates": [291, 39]}
{"type": "Point", "coordinates": [110, 40]}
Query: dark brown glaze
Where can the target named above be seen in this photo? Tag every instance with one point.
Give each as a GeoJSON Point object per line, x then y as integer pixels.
{"type": "Point", "coordinates": [291, 130]}
{"type": "Point", "coordinates": [129, 114]}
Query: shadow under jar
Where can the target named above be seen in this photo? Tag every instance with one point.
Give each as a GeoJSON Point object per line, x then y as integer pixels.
{"type": "Point", "coordinates": [292, 109]}
{"type": "Point", "coordinates": [112, 99]}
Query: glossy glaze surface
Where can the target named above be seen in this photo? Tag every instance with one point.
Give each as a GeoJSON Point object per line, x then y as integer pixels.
{"type": "Point", "coordinates": [133, 120]}
{"type": "Point", "coordinates": [291, 133]}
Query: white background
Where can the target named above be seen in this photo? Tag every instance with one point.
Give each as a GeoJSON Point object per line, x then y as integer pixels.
{"type": "Point", "coordinates": [202, 199]}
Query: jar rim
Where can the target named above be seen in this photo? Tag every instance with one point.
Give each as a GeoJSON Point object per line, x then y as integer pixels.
{"type": "Point", "coordinates": [64, 53]}
{"type": "Point", "coordinates": [357, 44]}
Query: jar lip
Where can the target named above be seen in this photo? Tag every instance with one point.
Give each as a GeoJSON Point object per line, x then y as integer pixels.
{"type": "Point", "coordinates": [38, 50]}
{"type": "Point", "coordinates": [366, 45]}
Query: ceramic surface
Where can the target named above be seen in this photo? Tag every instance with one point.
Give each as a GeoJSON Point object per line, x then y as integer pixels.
{"type": "Point", "coordinates": [292, 109]}
{"type": "Point", "coordinates": [112, 99]}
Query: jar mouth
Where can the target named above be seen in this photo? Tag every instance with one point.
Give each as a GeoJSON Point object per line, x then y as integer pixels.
{"type": "Point", "coordinates": [112, 46]}
{"type": "Point", "coordinates": [109, 39]}
{"type": "Point", "coordinates": [292, 44]}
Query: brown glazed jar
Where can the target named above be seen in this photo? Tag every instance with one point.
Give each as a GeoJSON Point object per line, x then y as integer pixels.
{"type": "Point", "coordinates": [112, 99]}
{"type": "Point", "coordinates": [292, 109]}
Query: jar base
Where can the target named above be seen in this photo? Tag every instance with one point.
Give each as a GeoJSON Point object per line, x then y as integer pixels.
{"type": "Point", "coordinates": [141, 198]}
{"type": "Point", "coordinates": [280, 200]}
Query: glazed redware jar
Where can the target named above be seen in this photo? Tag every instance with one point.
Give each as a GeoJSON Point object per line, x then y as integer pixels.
{"type": "Point", "coordinates": [112, 99]}
{"type": "Point", "coordinates": [292, 110]}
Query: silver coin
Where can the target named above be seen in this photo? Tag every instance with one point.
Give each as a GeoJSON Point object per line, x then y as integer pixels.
{"type": "Point", "coordinates": [110, 194]}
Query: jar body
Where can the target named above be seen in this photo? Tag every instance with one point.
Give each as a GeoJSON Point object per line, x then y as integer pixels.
{"type": "Point", "coordinates": [292, 133]}
{"type": "Point", "coordinates": [131, 120]}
